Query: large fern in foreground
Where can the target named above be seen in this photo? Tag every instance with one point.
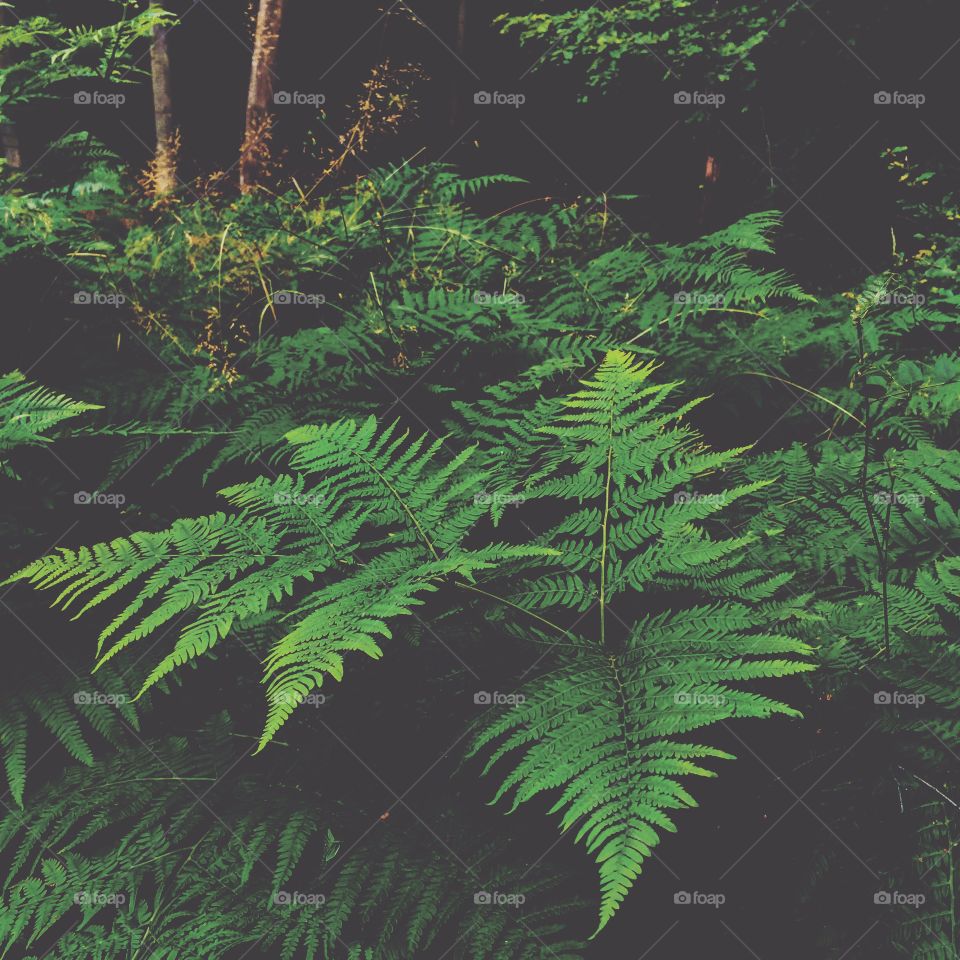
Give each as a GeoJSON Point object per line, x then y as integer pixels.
{"type": "Point", "coordinates": [634, 670]}
{"type": "Point", "coordinates": [372, 520]}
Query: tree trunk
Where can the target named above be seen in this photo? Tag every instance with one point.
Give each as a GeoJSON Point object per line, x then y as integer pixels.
{"type": "Point", "coordinates": [255, 151]}
{"type": "Point", "coordinates": [165, 159]}
{"type": "Point", "coordinates": [9, 139]}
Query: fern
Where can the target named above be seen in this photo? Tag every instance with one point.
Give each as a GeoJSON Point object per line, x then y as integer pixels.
{"type": "Point", "coordinates": [141, 862]}
{"type": "Point", "coordinates": [27, 412]}
{"type": "Point", "coordinates": [603, 726]}
{"type": "Point", "coordinates": [405, 270]}
{"type": "Point", "coordinates": [430, 423]}
{"type": "Point", "coordinates": [379, 527]}
{"type": "Point", "coordinates": [59, 708]}
{"type": "Point", "coordinates": [376, 522]}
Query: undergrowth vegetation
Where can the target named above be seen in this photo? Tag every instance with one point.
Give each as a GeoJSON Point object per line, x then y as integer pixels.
{"type": "Point", "coordinates": [401, 422]}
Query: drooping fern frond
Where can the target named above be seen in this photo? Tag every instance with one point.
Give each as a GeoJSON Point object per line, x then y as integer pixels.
{"type": "Point", "coordinates": [373, 520]}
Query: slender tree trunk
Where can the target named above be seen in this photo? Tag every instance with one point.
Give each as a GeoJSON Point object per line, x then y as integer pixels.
{"type": "Point", "coordinates": [165, 160]}
{"type": "Point", "coordinates": [9, 139]}
{"type": "Point", "coordinates": [255, 151]}
{"type": "Point", "coordinates": [460, 45]}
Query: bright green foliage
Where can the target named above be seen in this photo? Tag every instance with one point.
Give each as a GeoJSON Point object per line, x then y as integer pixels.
{"type": "Point", "coordinates": [27, 411]}
{"type": "Point", "coordinates": [620, 521]}
{"type": "Point", "coordinates": [604, 725]}
{"type": "Point", "coordinates": [717, 40]}
{"type": "Point", "coordinates": [375, 522]}
{"type": "Point", "coordinates": [376, 517]}
{"type": "Point", "coordinates": [435, 426]}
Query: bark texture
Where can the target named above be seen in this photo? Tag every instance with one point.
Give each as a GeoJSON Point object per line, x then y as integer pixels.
{"type": "Point", "coordinates": [165, 159]}
{"type": "Point", "coordinates": [255, 151]}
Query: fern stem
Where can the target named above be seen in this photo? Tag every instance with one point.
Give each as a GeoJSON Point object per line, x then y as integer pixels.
{"type": "Point", "coordinates": [402, 502]}
{"type": "Point", "coordinates": [603, 547]}
{"type": "Point", "coordinates": [950, 873]}
{"type": "Point", "coordinates": [936, 790]}
{"type": "Point", "coordinates": [622, 711]}
{"type": "Point", "coordinates": [864, 494]}
{"type": "Point", "coordinates": [813, 393]}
